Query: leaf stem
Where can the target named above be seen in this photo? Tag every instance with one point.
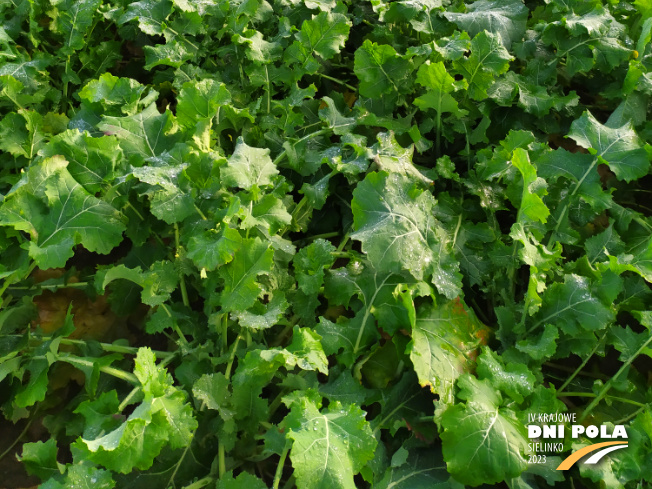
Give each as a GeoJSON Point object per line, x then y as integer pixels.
{"type": "Point", "coordinates": [127, 400]}
{"type": "Point", "coordinates": [276, 403]}
{"type": "Point", "coordinates": [591, 394]}
{"type": "Point", "coordinates": [567, 202]}
{"type": "Point", "coordinates": [64, 98]}
{"type": "Point", "coordinates": [131, 206]}
{"type": "Point", "coordinates": [108, 347]}
{"type": "Point", "coordinates": [178, 464]}
{"type": "Point", "coordinates": [136, 389]}
{"type": "Point", "coordinates": [201, 214]}
{"type": "Point", "coordinates": [48, 287]}
{"type": "Point", "coordinates": [221, 459]}
{"type": "Point", "coordinates": [632, 415]}
{"type": "Point", "coordinates": [437, 120]}
{"type": "Point", "coordinates": [571, 370]}
{"type": "Point", "coordinates": [18, 438]}
{"type": "Point", "coordinates": [343, 243]}
{"type": "Point", "coordinates": [200, 483]}
{"type": "Point", "coordinates": [340, 254]}
{"type": "Point", "coordinates": [289, 483]}
{"type": "Point", "coordinates": [182, 281]}
{"type": "Point", "coordinates": [279, 467]}
{"type": "Point", "coordinates": [318, 236]}
{"type": "Point", "coordinates": [225, 331]}
{"type": "Point", "coordinates": [582, 365]}
{"type": "Point", "coordinates": [340, 82]}
{"type": "Point", "coordinates": [13, 279]}
{"type": "Point", "coordinates": [610, 382]}
{"type": "Point", "coordinates": [115, 372]}
{"type": "Point", "coordinates": [269, 89]}
{"type": "Point", "coordinates": [457, 230]}
{"type": "Point", "coordinates": [175, 326]}
{"type": "Point", "coordinates": [229, 366]}
{"type": "Point", "coordinates": [280, 338]}
{"type": "Point", "coordinates": [284, 153]}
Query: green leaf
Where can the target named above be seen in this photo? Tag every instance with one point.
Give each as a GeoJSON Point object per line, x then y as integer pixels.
{"type": "Point", "coordinates": [380, 69]}
{"type": "Point", "coordinates": [514, 379]}
{"type": "Point", "coordinates": [393, 220]}
{"type": "Point", "coordinates": [323, 35]}
{"type": "Point", "coordinates": [323, 5]}
{"type": "Point", "coordinates": [214, 248]}
{"type": "Point", "coordinates": [310, 264]}
{"type": "Point", "coordinates": [339, 124]}
{"type": "Point", "coordinates": [391, 157]}
{"type": "Point", "coordinates": [244, 480]}
{"type": "Point", "coordinates": [537, 100]}
{"type": "Point", "coordinates": [444, 341]}
{"type": "Point", "coordinates": [543, 346]}
{"type": "Point", "coordinates": [72, 19]}
{"type": "Point", "coordinates": [639, 260]}
{"type": "Point", "coordinates": [578, 168]}
{"type": "Point", "coordinates": [440, 84]}
{"type": "Point", "coordinates": [423, 469]}
{"type": "Point", "coordinates": [171, 317]}
{"type": "Point", "coordinates": [329, 446]}
{"type": "Point", "coordinates": [506, 18]}
{"type": "Point", "coordinates": [21, 134]}
{"type": "Point", "coordinates": [258, 49]}
{"type": "Point", "coordinates": [240, 286]}
{"type": "Point", "coordinates": [471, 247]}
{"type": "Point", "coordinates": [631, 110]}
{"type": "Point", "coordinates": [629, 343]}
{"type": "Point", "coordinates": [268, 213]}
{"type": "Point", "coordinates": [306, 351]}
{"type": "Point", "coordinates": [158, 282]}
{"type": "Point", "coordinates": [117, 95]}
{"type": "Point", "coordinates": [403, 402]}
{"type": "Point", "coordinates": [213, 391]}
{"type": "Point", "coordinates": [169, 201]}
{"type": "Point", "coordinates": [85, 475]}
{"type": "Point", "coordinates": [483, 443]}
{"type": "Point", "coordinates": [150, 14]}
{"type": "Point", "coordinates": [59, 213]}
{"type": "Point", "coordinates": [93, 162]}
{"type": "Point", "coordinates": [344, 388]}
{"type": "Point", "coordinates": [248, 167]}
{"type": "Point", "coordinates": [145, 134]}
{"type": "Point", "coordinates": [488, 59]}
{"type": "Point", "coordinates": [40, 458]}
{"type": "Point", "coordinates": [14, 94]}
{"type": "Point", "coordinates": [163, 417]}
{"type": "Point", "coordinates": [620, 148]}
{"type": "Point", "coordinates": [377, 292]}
{"type": "Point", "coordinates": [98, 414]}
{"type": "Point", "coordinates": [573, 307]}
{"type": "Point", "coordinates": [200, 101]}
{"type": "Point", "coordinates": [602, 245]}
{"type": "Point", "coordinates": [201, 7]}
{"type": "Point", "coordinates": [531, 206]}
{"type": "Point", "coordinates": [173, 53]}
{"type": "Point", "coordinates": [263, 316]}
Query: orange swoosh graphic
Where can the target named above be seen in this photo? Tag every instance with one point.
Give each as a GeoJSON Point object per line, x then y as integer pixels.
{"type": "Point", "coordinates": [575, 456]}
